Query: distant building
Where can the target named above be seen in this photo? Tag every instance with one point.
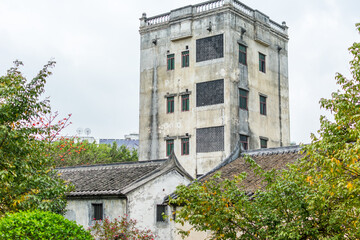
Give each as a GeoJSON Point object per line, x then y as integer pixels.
{"type": "Point", "coordinates": [211, 75]}
{"type": "Point", "coordinates": [85, 138]}
{"type": "Point", "coordinates": [131, 141]}
{"type": "Point", "coordinates": [132, 136]}
{"type": "Point", "coordinates": [130, 144]}
{"type": "Point", "coordinates": [89, 139]}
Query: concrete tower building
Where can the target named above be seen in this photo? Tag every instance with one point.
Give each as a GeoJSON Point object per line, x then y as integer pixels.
{"type": "Point", "coordinates": [211, 75]}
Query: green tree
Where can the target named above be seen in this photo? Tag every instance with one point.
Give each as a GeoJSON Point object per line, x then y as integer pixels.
{"type": "Point", "coordinates": [33, 225]}
{"type": "Point", "coordinates": [316, 198]}
{"type": "Point", "coordinates": [122, 153]}
{"type": "Point", "coordinates": [69, 152]}
{"type": "Point", "coordinates": [26, 170]}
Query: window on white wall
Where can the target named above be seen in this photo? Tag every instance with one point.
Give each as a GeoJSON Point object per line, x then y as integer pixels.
{"type": "Point", "coordinates": [97, 211]}
{"type": "Point", "coordinates": [161, 212]}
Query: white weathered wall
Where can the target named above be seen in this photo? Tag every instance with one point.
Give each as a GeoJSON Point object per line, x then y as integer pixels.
{"type": "Point", "coordinates": [80, 210]}
{"type": "Point", "coordinates": [194, 235]}
{"type": "Point", "coordinates": [143, 200]}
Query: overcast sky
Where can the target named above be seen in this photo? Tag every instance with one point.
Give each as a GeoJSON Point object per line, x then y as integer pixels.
{"type": "Point", "coordinates": [96, 46]}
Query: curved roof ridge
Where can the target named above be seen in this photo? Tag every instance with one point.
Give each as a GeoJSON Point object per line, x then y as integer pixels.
{"type": "Point", "coordinates": [270, 151]}
{"type": "Point", "coordinates": [110, 166]}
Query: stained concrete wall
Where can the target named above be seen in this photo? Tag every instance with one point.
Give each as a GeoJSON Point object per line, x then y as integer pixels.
{"type": "Point", "coordinates": [142, 203]}
{"type": "Point", "coordinates": [179, 34]}
{"type": "Point", "coordinates": [80, 210]}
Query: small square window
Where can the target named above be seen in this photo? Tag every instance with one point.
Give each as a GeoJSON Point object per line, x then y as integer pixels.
{"type": "Point", "coordinates": [262, 65]}
{"type": "Point", "coordinates": [243, 99]}
{"type": "Point", "coordinates": [161, 210]}
{"type": "Point", "coordinates": [170, 104]}
{"type": "Point", "coordinates": [169, 146]}
{"type": "Point", "coordinates": [97, 211]}
{"type": "Point", "coordinates": [263, 143]}
{"type": "Point", "coordinates": [262, 105]}
{"type": "Point", "coordinates": [185, 102]}
{"type": "Point", "coordinates": [242, 54]}
{"type": "Point", "coordinates": [244, 141]}
{"type": "Point", "coordinates": [185, 59]}
{"type": "Point", "coordinates": [171, 62]}
{"type": "Point", "coordinates": [185, 146]}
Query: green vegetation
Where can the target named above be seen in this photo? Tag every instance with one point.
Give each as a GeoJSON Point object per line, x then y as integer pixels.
{"type": "Point", "coordinates": [26, 169]}
{"type": "Point", "coordinates": [67, 152]}
{"type": "Point", "coordinates": [29, 151]}
{"type": "Point", "coordinates": [120, 229]}
{"type": "Point", "coordinates": [33, 225]}
{"type": "Point", "coordinates": [317, 198]}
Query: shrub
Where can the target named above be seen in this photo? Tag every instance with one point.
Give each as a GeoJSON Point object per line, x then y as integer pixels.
{"type": "Point", "coordinates": [40, 225]}
{"type": "Point", "coordinates": [120, 229]}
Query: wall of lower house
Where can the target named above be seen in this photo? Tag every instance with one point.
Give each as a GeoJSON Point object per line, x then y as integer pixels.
{"type": "Point", "coordinates": [81, 210]}
{"type": "Point", "coordinates": [143, 201]}
{"type": "Point", "coordinates": [193, 235]}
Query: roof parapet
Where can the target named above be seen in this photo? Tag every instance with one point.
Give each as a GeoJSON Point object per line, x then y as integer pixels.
{"type": "Point", "coordinates": [207, 6]}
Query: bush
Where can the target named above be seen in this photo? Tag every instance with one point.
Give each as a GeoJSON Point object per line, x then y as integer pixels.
{"type": "Point", "coordinates": [120, 229]}
{"type": "Point", "coordinates": [40, 225]}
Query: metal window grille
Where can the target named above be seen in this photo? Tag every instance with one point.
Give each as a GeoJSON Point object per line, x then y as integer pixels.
{"type": "Point", "coordinates": [185, 59]}
{"type": "Point", "coordinates": [209, 48]}
{"type": "Point", "coordinates": [263, 143]}
{"type": "Point", "coordinates": [160, 212]}
{"type": "Point", "coordinates": [262, 65]}
{"type": "Point", "coordinates": [210, 139]}
{"type": "Point", "coordinates": [210, 93]}
{"type": "Point", "coordinates": [242, 54]}
{"type": "Point", "coordinates": [98, 211]}
{"type": "Point", "coordinates": [185, 146]}
{"type": "Point", "coordinates": [185, 102]}
{"type": "Point", "coordinates": [169, 147]}
{"type": "Point", "coordinates": [244, 141]}
{"type": "Point", "coordinates": [170, 105]}
{"type": "Point", "coordinates": [243, 99]}
{"type": "Point", "coordinates": [170, 62]}
{"type": "Point", "coordinates": [262, 105]}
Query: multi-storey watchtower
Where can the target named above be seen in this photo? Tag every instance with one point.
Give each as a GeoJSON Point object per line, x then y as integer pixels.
{"type": "Point", "coordinates": [211, 75]}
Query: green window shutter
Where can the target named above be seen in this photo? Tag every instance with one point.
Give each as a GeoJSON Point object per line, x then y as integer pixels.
{"type": "Point", "coordinates": [242, 54]}
{"type": "Point", "coordinates": [243, 98]}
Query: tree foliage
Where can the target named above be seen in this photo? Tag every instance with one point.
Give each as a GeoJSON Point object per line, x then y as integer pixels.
{"type": "Point", "coordinates": [26, 171]}
{"type": "Point", "coordinates": [40, 225]}
{"type": "Point", "coordinates": [70, 152]}
{"type": "Point", "coordinates": [316, 198]}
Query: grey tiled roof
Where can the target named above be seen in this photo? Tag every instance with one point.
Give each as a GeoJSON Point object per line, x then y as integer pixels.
{"type": "Point", "coordinates": [106, 179]}
{"type": "Point", "coordinates": [270, 158]}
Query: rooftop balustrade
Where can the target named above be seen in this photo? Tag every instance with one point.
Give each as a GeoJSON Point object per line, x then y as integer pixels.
{"type": "Point", "coordinates": [209, 6]}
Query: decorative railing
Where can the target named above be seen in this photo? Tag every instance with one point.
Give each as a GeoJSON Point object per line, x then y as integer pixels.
{"type": "Point", "coordinates": [277, 27]}
{"type": "Point", "coordinates": [206, 6]}
{"type": "Point", "coordinates": [158, 19]}
{"type": "Point", "coordinates": [213, 4]}
{"type": "Point", "coordinates": [243, 8]}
